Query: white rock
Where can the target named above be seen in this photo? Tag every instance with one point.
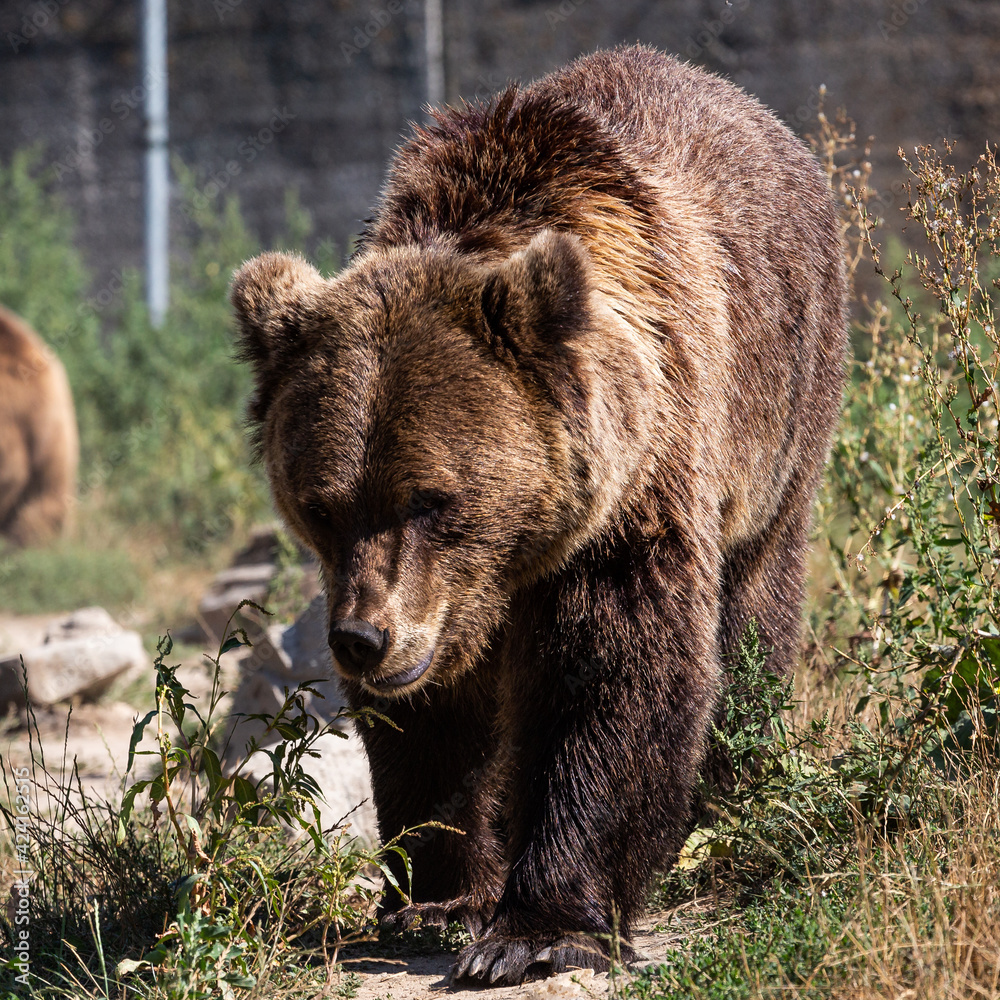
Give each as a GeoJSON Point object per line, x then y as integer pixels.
{"type": "Point", "coordinates": [283, 659]}
{"type": "Point", "coordinates": [341, 771]}
{"type": "Point", "coordinates": [82, 624]}
{"type": "Point", "coordinates": [78, 668]}
{"type": "Point", "coordinates": [231, 586]}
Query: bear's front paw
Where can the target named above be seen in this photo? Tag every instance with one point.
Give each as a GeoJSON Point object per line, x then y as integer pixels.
{"type": "Point", "coordinates": [506, 960]}
{"type": "Point", "coordinates": [469, 911]}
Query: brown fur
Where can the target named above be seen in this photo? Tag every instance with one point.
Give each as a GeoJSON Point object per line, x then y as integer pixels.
{"type": "Point", "coordinates": [38, 438]}
{"type": "Point", "coordinates": [558, 426]}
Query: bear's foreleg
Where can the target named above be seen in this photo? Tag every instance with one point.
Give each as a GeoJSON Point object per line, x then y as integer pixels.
{"type": "Point", "coordinates": [607, 713]}
{"type": "Point", "coordinates": [437, 768]}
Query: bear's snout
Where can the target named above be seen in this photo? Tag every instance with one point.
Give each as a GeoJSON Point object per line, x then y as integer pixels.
{"type": "Point", "coordinates": [358, 645]}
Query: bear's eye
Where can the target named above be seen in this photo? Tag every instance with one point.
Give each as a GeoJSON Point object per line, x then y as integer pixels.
{"type": "Point", "coordinates": [426, 501]}
{"type": "Point", "coordinates": [317, 515]}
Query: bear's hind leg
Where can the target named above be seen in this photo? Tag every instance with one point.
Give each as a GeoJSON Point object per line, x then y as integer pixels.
{"type": "Point", "coordinates": [762, 582]}
{"type": "Point", "coordinates": [762, 579]}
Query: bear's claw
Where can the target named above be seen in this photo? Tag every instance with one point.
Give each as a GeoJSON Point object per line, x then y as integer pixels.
{"type": "Point", "coordinates": [465, 910]}
{"type": "Point", "coordinates": [498, 959]}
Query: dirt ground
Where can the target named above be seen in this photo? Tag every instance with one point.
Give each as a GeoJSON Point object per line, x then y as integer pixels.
{"type": "Point", "coordinates": [426, 976]}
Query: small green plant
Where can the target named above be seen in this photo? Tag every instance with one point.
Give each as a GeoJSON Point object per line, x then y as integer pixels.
{"type": "Point", "coordinates": [349, 986]}
{"type": "Point", "coordinates": [236, 890]}
{"type": "Point", "coordinates": [751, 717]}
{"type": "Point", "coordinates": [196, 957]}
{"type": "Point", "coordinates": [191, 887]}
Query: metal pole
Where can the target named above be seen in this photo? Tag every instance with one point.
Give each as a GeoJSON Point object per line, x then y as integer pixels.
{"type": "Point", "coordinates": [434, 44]}
{"type": "Point", "coordinates": [154, 65]}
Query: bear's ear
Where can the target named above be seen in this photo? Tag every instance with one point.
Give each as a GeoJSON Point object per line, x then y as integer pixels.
{"type": "Point", "coordinates": [538, 297]}
{"type": "Point", "coordinates": [273, 296]}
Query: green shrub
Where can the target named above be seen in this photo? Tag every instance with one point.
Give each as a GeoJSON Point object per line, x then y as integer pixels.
{"type": "Point", "coordinates": [42, 275]}
{"type": "Point", "coordinates": [189, 886]}
{"type": "Point", "coordinates": [68, 574]}
{"type": "Point", "coordinates": [163, 445]}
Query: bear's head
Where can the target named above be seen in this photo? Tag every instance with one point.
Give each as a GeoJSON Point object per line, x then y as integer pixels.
{"type": "Point", "coordinates": [425, 422]}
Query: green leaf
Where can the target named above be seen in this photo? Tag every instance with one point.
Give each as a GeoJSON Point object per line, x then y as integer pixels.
{"type": "Point", "coordinates": [213, 770]}
{"type": "Point", "coordinates": [128, 803]}
{"type": "Point", "coordinates": [702, 845]}
{"type": "Point", "coordinates": [137, 731]}
{"type": "Point", "coordinates": [234, 979]}
{"type": "Point", "coordinates": [233, 642]}
{"type": "Point", "coordinates": [244, 791]}
{"type": "Point", "coordinates": [383, 867]}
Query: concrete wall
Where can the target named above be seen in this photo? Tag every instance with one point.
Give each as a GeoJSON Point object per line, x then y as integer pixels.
{"type": "Point", "coordinates": [316, 93]}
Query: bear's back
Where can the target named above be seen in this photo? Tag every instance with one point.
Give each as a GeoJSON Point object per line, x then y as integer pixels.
{"type": "Point", "coordinates": [676, 118]}
{"type": "Point", "coordinates": [22, 353]}
{"type": "Point", "coordinates": [710, 227]}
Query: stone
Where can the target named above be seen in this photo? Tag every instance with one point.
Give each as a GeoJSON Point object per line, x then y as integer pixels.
{"type": "Point", "coordinates": [263, 546]}
{"type": "Point", "coordinates": [249, 582]}
{"type": "Point", "coordinates": [267, 569]}
{"type": "Point", "coordinates": [282, 659]}
{"type": "Point", "coordinates": [81, 657]}
{"type": "Point", "coordinates": [81, 624]}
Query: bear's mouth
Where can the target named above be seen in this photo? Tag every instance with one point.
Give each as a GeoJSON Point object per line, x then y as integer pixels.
{"type": "Point", "coordinates": [404, 677]}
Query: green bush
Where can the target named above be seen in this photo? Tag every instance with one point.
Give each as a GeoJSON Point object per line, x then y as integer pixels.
{"type": "Point", "coordinates": [68, 574]}
{"type": "Point", "coordinates": [188, 887]}
{"type": "Point", "coordinates": [160, 411]}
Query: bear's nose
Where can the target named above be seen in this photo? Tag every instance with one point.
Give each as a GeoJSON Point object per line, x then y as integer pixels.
{"type": "Point", "coordinates": [358, 645]}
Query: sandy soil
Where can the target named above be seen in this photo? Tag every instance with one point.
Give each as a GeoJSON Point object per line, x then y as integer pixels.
{"type": "Point", "coordinates": [426, 976]}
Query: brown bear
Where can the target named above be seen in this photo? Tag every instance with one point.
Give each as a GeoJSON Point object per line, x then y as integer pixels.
{"type": "Point", "coordinates": [38, 437]}
{"type": "Point", "coordinates": [554, 434]}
